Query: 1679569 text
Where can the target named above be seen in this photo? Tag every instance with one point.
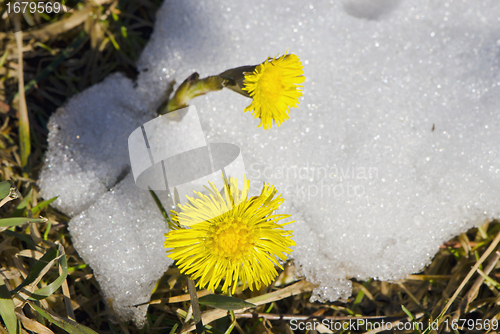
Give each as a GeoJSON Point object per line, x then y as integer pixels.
{"type": "Point", "coordinates": [34, 7]}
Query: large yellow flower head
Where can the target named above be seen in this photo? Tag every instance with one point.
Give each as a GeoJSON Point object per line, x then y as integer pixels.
{"type": "Point", "coordinates": [274, 88]}
{"type": "Point", "coordinates": [239, 238]}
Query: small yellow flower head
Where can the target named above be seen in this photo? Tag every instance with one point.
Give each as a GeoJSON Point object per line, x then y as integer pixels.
{"type": "Point", "coordinates": [239, 240]}
{"type": "Point", "coordinates": [274, 88]}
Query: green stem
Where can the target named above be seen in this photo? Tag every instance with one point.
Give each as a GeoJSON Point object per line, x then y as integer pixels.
{"type": "Point", "coordinates": [233, 317]}
{"type": "Point", "coordinates": [233, 323]}
{"type": "Point", "coordinates": [196, 307]}
{"type": "Point", "coordinates": [191, 88]}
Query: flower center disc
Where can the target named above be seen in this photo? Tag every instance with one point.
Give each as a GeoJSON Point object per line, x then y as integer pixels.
{"type": "Point", "coordinates": [231, 240]}
{"type": "Point", "coordinates": [271, 83]}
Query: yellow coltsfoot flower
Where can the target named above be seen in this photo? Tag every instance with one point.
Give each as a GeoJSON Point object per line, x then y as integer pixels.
{"type": "Point", "coordinates": [274, 88]}
{"type": "Point", "coordinates": [239, 238]}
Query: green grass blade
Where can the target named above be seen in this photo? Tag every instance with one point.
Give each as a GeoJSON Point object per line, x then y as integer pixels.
{"type": "Point", "coordinates": [359, 296]}
{"type": "Point", "coordinates": [8, 222]}
{"type": "Point", "coordinates": [22, 236]}
{"type": "Point", "coordinates": [489, 280]}
{"type": "Point", "coordinates": [18, 212]}
{"type": "Point", "coordinates": [4, 57]}
{"type": "Point", "coordinates": [412, 318]}
{"type": "Point", "coordinates": [68, 325]}
{"type": "Point", "coordinates": [7, 310]}
{"type": "Point", "coordinates": [160, 206]}
{"type": "Point", "coordinates": [46, 47]}
{"type": "Point", "coordinates": [124, 31]}
{"type": "Point", "coordinates": [113, 41]}
{"type": "Point", "coordinates": [47, 230]}
{"type": "Point", "coordinates": [4, 189]}
{"type": "Point", "coordinates": [8, 192]}
{"type": "Point", "coordinates": [37, 268]}
{"type": "Point", "coordinates": [172, 331]}
{"type": "Point", "coordinates": [52, 287]}
{"type": "Point", "coordinates": [224, 302]}
{"type": "Point", "coordinates": [36, 210]}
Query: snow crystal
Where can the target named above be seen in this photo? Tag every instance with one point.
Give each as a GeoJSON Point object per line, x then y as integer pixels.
{"type": "Point", "coordinates": [121, 236]}
{"type": "Point", "coordinates": [88, 143]}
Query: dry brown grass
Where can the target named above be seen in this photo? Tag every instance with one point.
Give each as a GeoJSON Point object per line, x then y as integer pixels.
{"type": "Point", "coordinates": [76, 51]}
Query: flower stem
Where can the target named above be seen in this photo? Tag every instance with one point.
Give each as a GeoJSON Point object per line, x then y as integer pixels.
{"type": "Point", "coordinates": [233, 323]}
{"type": "Point", "coordinates": [191, 88]}
{"type": "Point", "coordinates": [196, 307]}
{"type": "Point", "coordinates": [233, 317]}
